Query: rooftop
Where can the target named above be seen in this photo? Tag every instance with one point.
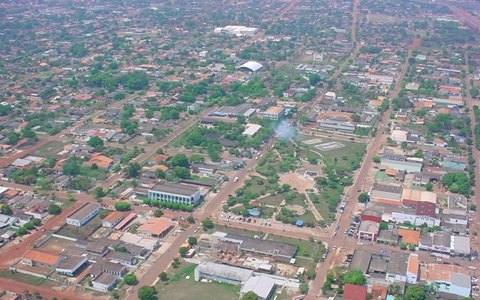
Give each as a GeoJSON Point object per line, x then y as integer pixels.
{"type": "Point", "coordinates": [156, 226]}
{"type": "Point", "coordinates": [84, 211]}
{"type": "Point", "coordinates": [238, 274]}
{"type": "Point", "coordinates": [175, 188]}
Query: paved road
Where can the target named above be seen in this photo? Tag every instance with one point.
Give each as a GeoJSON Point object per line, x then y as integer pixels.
{"type": "Point", "coordinates": [470, 102]}
{"type": "Point", "coordinates": [203, 212]}
{"type": "Point", "coordinates": [359, 182]}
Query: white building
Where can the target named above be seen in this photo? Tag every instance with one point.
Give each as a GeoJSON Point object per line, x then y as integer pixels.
{"type": "Point", "coordinates": [104, 282]}
{"type": "Point", "coordinates": [251, 129]}
{"type": "Point", "coordinates": [175, 192]}
{"type": "Point", "coordinates": [84, 214]}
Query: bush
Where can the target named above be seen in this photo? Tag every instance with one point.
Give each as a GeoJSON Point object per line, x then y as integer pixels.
{"type": "Point", "coordinates": [122, 206]}
{"type": "Point", "coordinates": [54, 209]}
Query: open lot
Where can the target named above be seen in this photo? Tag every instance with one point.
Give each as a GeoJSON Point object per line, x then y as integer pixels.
{"type": "Point", "coordinates": [181, 285]}
{"type": "Point", "coordinates": [50, 150]}
{"type": "Point", "coordinates": [29, 279]}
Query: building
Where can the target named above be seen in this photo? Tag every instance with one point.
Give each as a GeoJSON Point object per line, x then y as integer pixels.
{"type": "Point", "coordinates": [399, 136]}
{"type": "Point", "coordinates": [39, 258]}
{"type": "Point", "coordinates": [279, 251]}
{"type": "Point", "coordinates": [368, 230]}
{"type": "Point", "coordinates": [401, 163]}
{"type": "Point", "coordinates": [7, 221]}
{"type": "Point", "coordinates": [113, 219]}
{"type": "Point", "coordinates": [156, 227]}
{"type": "Point", "coordinates": [460, 245]}
{"type": "Point", "coordinates": [84, 214]}
{"type": "Point", "coordinates": [262, 286]}
{"type": "Point", "coordinates": [100, 161]}
{"type": "Point", "coordinates": [175, 192]}
{"type": "Point", "coordinates": [397, 267]}
{"type": "Point", "coordinates": [104, 282]}
{"type": "Point", "coordinates": [337, 124]}
{"type": "Point", "coordinates": [274, 113]}
{"type": "Point", "coordinates": [413, 268]}
{"type": "Point", "coordinates": [435, 241]}
{"type": "Point", "coordinates": [354, 292]}
{"type": "Point", "coordinates": [236, 30]}
{"type": "Point", "coordinates": [388, 194]}
{"type": "Point", "coordinates": [251, 66]}
{"type": "Point", "coordinates": [415, 197]}
{"type": "Point", "coordinates": [448, 279]}
{"type": "Point", "coordinates": [251, 129]}
{"type": "Point", "coordinates": [222, 273]}
{"type": "Point", "coordinates": [70, 265]}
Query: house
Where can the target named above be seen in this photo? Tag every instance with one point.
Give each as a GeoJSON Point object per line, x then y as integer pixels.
{"type": "Point", "coordinates": [100, 161]}
{"type": "Point", "coordinates": [175, 192]}
{"type": "Point", "coordinates": [409, 236]}
{"type": "Point", "coordinates": [450, 279]}
{"type": "Point", "coordinates": [399, 135]}
{"type": "Point", "coordinates": [435, 241]}
{"type": "Point", "coordinates": [97, 248]}
{"type": "Point", "coordinates": [156, 227]}
{"type": "Point", "coordinates": [330, 96]}
{"type": "Point", "coordinates": [39, 258]}
{"type": "Point", "coordinates": [413, 268]}
{"type": "Point", "coordinates": [262, 286]}
{"type": "Point", "coordinates": [354, 292]}
{"type": "Point", "coordinates": [456, 216]}
{"type": "Point", "coordinates": [84, 214]}
{"type": "Point", "coordinates": [104, 282]}
{"type": "Point", "coordinates": [113, 219]}
{"type": "Point", "coordinates": [204, 169]}
{"type": "Point", "coordinates": [7, 221]}
{"type": "Point", "coordinates": [116, 269]}
{"type": "Point", "coordinates": [123, 258]}
{"type": "Point", "coordinates": [397, 267]}
{"type": "Point", "coordinates": [70, 265]}
{"type": "Point", "coordinates": [368, 230]}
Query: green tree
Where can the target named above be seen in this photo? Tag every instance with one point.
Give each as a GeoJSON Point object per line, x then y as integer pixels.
{"type": "Point", "coordinates": [356, 118]}
{"type": "Point", "coordinates": [158, 213]}
{"type": "Point", "coordinates": [71, 167]}
{"type": "Point", "coordinates": [383, 226]}
{"type": "Point", "coordinates": [28, 133]}
{"type": "Point", "coordinates": [6, 210]}
{"type": "Point", "coordinates": [54, 209]}
{"type": "Point", "coordinates": [250, 296]}
{"type": "Point", "coordinates": [180, 160]}
{"type": "Point", "coordinates": [415, 292]}
{"type": "Point", "coordinates": [207, 224]}
{"type": "Point", "coordinates": [133, 170]}
{"type": "Point", "coordinates": [95, 142]}
{"type": "Point", "coordinates": [183, 251]}
{"type": "Point", "coordinates": [22, 231]}
{"type": "Point", "coordinates": [354, 276]}
{"type": "Point", "coordinates": [36, 222]}
{"type": "Point", "coordinates": [376, 159]}
{"type": "Point", "coordinates": [122, 206]}
{"type": "Point", "coordinates": [98, 192]}
{"type": "Point", "coordinates": [163, 276]}
{"type": "Point", "coordinates": [190, 219]}
{"type": "Point", "coordinates": [130, 279]}
{"type": "Point", "coordinates": [429, 186]}
{"type": "Point", "coordinates": [192, 241]}
{"type": "Point", "coordinates": [13, 138]}
{"type": "Point", "coordinates": [147, 293]}
{"type": "Point", "coordinates": [363, 197]}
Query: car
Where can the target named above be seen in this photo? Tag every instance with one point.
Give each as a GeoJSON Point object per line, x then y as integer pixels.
{"type": "Point", "coordinates": [472, 267]}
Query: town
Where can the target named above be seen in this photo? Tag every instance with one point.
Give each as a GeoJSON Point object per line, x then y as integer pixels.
{"type": "Point", "coordinates": [273, 150]}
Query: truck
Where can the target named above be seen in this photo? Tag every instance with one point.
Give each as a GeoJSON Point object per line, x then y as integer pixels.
{"type": "Point", "coordinates": [235, 179]}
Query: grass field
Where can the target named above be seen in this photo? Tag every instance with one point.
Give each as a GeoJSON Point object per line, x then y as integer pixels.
{"type": "Point", "coordinates": [178, 287]}
{"type": "Point", "coordinates": [381, 176]}
{"type": "Point", "coordinates": [274, 200]}
{"type": "Point", "coordinates": [50, 150]}
{"type": "Point", "coordinates": [29, 279]}
{"type": "Point", "coordinates": [320, 203]}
